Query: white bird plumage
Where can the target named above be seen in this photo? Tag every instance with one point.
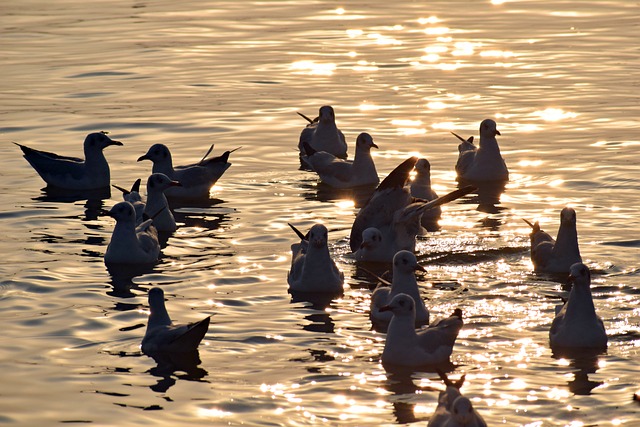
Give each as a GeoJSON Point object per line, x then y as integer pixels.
{"type": "Point", "coordinates": [577, 325]}
{"type": "Point", "coordinates": [196, 179]}
{"type": "Point", "coordinates": [322, 134]}
{"type": "Point", "coordinates": [340, 173]}
{"type": "Point", "coordinates": [162, 335]}
{"type": "Point", "coordinates": [482, 163]}
{"type": "Point", "coordinates": [131, 244]}
{"type": "Point", "coordinates": [404, 346]}
{"type": "Point", "coordinates": [403, 281]}
{"type": "Point", "coordinates": [72, 173]}
{"type": "Point", "coordinates": [312, 268]}
{"type": "Point", "coordinates": [556, 256]}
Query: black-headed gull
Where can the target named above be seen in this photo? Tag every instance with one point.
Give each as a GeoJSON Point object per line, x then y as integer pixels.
{"type": "Point", "coordinates": [403, 281]}
{"type": "Point", "coordinates": [404, 346]}
{"type": "Point", "coordinates": [420, 188]}
{"type": "Point", "coordinates": [454, 409]}
{"type": "Point", "coordinates": [72, 173]}
{"type": "Point", "coordinates": [577, 325]}
{"type": "Point", "coordinates": [312, 268]}
{"type": "Point", "coordinates": [340, 173]}
{"type": "Point", "coordinates": [162, 335]}
{"type": "Point", "coordinates": [484, 163]}
{"type": "Point", "coordinates": [322, 134]}
{"type": "Point", "coordinates": [157, 206]}
{"type": "Point", "coordinates": [196, 179]}
{"type": "Point", "coordinates": [131, 244]}
{"type": "Point", "coordinates": [556, 256]}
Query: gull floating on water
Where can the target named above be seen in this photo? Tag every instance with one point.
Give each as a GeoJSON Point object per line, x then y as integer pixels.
{"type": "Point", "coordinates": [163, 335]}
{"type": "Point", "coordinates": [130, 244]}
{"type": "Point", "coordinates": [420, 188]}
{"type": "Point", "coordinates": [339, 173]}
{"type": "Point", "coordinates": [577, 325]}
{"type": "Point", "coordinates": [312, 268]}
{"type": "Point", "coordinates": [482, 163]}
{"type": "Point", "coordinates": [405, 346]}
{"type": "Point", "coordinates": [72, 173]}
{"type": "Point", "coordinates": [556, 256]}
{"type": "Point", "coordinates": [454, 409]}
{"type": "Point", "coordinates": [403, 281]}
{"type": "Point", "coordinates": [157, 206]}
{"type": "Point", "coordinates": [134, 197]}
{"type": "Point", "coordinates": [322, 134]}
{"type": "Point", "coordinates": [196, 179]}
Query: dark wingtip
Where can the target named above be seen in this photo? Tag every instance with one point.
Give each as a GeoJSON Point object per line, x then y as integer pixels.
{"type": "Point", "coordinates": [298, 232]}
{"type": "Point", "coordinates": [136, 186]}
{"type": "Point", "coordinates": [398, 177]}
{"type": "Point", "coordinates": [124, 190]}
{"type": "Point", "coordinates": [304, 117]}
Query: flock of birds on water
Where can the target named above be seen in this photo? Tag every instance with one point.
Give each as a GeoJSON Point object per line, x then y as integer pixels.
{"type": "Point", "coordinates": [384, 231]}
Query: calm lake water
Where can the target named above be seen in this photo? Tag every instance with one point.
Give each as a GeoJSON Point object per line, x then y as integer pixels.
{"type": "Point", "coordinates": [561, 79]}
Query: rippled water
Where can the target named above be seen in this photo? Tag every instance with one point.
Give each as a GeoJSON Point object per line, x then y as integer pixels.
{"type": "Point", "coordinates": [560, 78]}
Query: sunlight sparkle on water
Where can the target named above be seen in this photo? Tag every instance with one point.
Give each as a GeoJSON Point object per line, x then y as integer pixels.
{"type": "Point", "coordinates": [212, 413]}
{"type": "Point", "coordinates": [313, 68]}
{"type": "Point", "coordinates": [554, 114]}
{"type": "Point", "coordinates": [436, 31]}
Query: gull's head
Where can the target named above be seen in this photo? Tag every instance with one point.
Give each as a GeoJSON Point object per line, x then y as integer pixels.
{"type": "Point", "coordinates": [157, 153]}
{"type": "Point", "coordinates": [568, 216]}
{"type": "Point", "coordinates": [371, 239]}
{"type": "Point", "coordinates": [406, 262]}
{"type": "Point", "coordinates": [462, 411]}
{"type": "Point", "coordinates": [327, 115]}
{"type": "Point", "coordinates": [98, 141]}
{"type": "Point", "coordinates": [156, 298]}
{"type": "Point", "coordinates": [579, 274]}
{"type": "Point", "coordinates": [489, 128]}
{"type": "Point", "coordinates": [423, 167]}
{"type": "Point", "coordinates": [401, 304]}
{"type": "Point", "coordinates": [160, 182]}
{"type": "Point", "coordinates": [123, 212]}
{"type": "Point", "coordinates": [365, 140]}
{"type": "Point", "coordinates": [318, 236]}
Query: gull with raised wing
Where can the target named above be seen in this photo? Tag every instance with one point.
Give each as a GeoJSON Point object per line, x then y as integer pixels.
{"type": "Point", "coordinates": [131, 244]}
{"type": "Point", "coordinates": [312, 268]}
{"type": "Point", "coordinates": [482, 163]}
{"type": "Point", "coordinates": [420, 188]}
{"type": "Point", "coordinates": [556, 256]}
{"type": "Point", "coordinates": [196, 179]}
{"type": "Point", "coordinates": [576, 325]}
{"type": "Point", "coordinates": [134, 197]}
{"type": "Point", "coordinates": [454, 409]}
{"type": "Point", "coordinates": [340, 173]}
{"type": "Point", "coordinates": [157, 206]}
{"type": "Point", "coordinates": [162, 335]}
{"type": "Point", "coordinates": [404, 281]}
{"type": "Point", "coordinates": [405, 346]}
{"type": "Point", "coordinates": [72, 173]}
{"type": "Point", "coordinates": [322, 134]}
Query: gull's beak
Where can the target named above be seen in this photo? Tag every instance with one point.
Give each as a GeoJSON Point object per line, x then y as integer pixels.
{"type": "Point", "coordinates": [104, 212]}
{"type": "Point", "coordinates": [141, 158]}
{"type": "Point", "coordinates": [172, 183]}
{"type": "Point", "coordinates": [373, 144]}
{"type": "Point", "coordinates": [419, 267]}
{"type": "Point", "coordinates": [114, 142]}
{"type": "Point", "coordinates": [385, 308]}
{"type": "Point", "coordinates": [498, 132]}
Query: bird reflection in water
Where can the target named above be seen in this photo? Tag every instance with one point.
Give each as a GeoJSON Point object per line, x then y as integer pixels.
{"type": "Point", "coordinates": [176, 365]}
{"type": "Point", "coordinates": [585, 361]}
{"type": "Point", "coordinates": [319, 321]}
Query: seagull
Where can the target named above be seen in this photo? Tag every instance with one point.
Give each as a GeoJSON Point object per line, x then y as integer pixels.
{"type": "Point", "coordinates": [312, 269]}
{"type": "Point", "coordinates": [339, 173]}
{"type": "Point", "coordinates": [130, 244]}
{"type": "Point", "coordinates": [484, 163]}
{"type": "Point", "coordinates": [133, 196]}
{"type": "Point", "coordinates": [405, 346]}
{"type": "Point", "coordinates": [72, 173]}
{"type": "Point", "coordinates": [420, 188]}
{"type": "Point", "coordinates": [556, 256]}
{"type": "Point", "coordinates": [162, 335]}
{"type": "Point", "coordinates": [157, 206]}
{"type": "Point", "coordinates": [196, 179]}
{"type": "Point", "coordinates": [577, 324]}
{"type": "Point", "coordinates": [454, 409]}
{"type": "Point", "coordinates": [322, 134]}
{"type": "Point", "coordinates": [403, 281]}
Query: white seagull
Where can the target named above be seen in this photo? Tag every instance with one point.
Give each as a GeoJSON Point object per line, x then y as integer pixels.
{"type": "Point", "coordinates": [130, 244]}
{"type": "Point", "coordinates": [577, 325]}
{"type": "Point", "coordinates": [72, 173]}
{"type": "Point", "coordinates": [196, 179]}
{"type": "Point", "coordinates": [405, 346]}
{"type": "Point", "coordinates": [157, 206]}
{"type": "Point", "coordinates": [322, 134]}
{"type": "Point", "coordinates": [556, 256]}
{"type": "Point", "coordinates": [312, 269]}
{"type": "Point", "coordinates": [454, 409]}
{"type": "Point", "coordinates": [162, 335]}
{"type": "Point", "coordinates": [420, 188]}
{"type": "Point", "coordinates": [340, 173]}
{"type": "Point", "coordinates": [403, 281]}
{"type": "Point", "coordinates": [484, 163]}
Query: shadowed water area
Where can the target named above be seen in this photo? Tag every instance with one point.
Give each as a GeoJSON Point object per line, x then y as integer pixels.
{"type": "Point", "coordinates": [561, 80]}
